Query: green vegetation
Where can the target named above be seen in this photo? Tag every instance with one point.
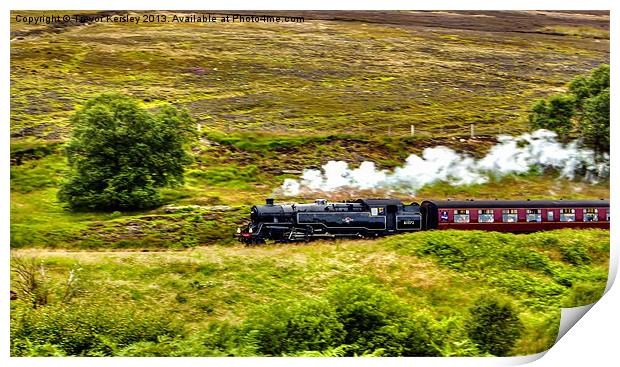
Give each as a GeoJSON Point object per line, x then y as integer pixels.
{"type": "Point", "coordinates": [267, 112]}
{"type": "Point", "coordinates": [585, 32]}
{"type": "Point", "coordinates": [119, 154]}
{"type": "Point", "coordinates": [554, 114]}
{"type": "Point", "coordinates": [495, 326]}
{"type": "Point", "coordinates": [584, 108]}
{"type": "Point", "coordinates": [388, 297]}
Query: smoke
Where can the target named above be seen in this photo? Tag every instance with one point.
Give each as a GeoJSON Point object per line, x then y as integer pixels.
{"type": "Point", "coordinates": [512, 155]}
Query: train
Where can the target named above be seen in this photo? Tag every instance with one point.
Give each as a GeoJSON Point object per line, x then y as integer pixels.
{"type": "Point", "coordinates": [381, 217]}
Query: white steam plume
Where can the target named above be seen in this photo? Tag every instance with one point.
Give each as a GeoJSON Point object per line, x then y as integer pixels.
{"type": "Point", "coordinates": [538, 150]}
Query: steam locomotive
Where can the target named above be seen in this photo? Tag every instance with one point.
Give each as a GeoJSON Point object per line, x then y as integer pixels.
{"type": "Point", "coordinates": [380, 217]}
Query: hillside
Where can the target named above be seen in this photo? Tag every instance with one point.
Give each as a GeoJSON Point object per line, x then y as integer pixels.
{"type": "Point", "coordinates": [342, 73]}
{"type": "Point", "coordinates": [273, 100]}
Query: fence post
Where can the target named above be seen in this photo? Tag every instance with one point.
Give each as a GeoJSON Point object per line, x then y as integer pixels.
{"type": "Point", "coordinates": [412, 131]}
{"type": "Point", "coordinates": [473, 130]}
{"type": "Point", "coordinates": [389, 130]}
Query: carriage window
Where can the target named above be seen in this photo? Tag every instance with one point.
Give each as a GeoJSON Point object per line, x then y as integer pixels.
{"type": "Point", "coordinates": [444, 216]}
{"type": "Point", "coordinates": [550, 216]}
{"type": "Point", "coordinates": [461, 216]}
{"type": "Point", "coordinates": [590, 215]}
{"type": "Point", "coordinates": [567, 215]}
{"type": "Point", "coordinates": [510, 216]}
{"type": "Point", "coordinates": [607, 215]}
{"type": "Point", "coordinates": [485, 216]}
{"type": "Point", "coordinates": [533, 215]}
{"type": "Point", "coordinates": [374, 211]}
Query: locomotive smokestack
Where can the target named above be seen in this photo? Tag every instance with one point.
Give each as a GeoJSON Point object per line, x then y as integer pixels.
{"type": "Point", "coordinates": [269, 201]}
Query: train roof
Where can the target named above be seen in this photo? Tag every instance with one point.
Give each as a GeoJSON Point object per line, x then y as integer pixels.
{"type": "Point", "coordinates": [519, 203]}
{"type": "Point", "coordinates": [380, 202]}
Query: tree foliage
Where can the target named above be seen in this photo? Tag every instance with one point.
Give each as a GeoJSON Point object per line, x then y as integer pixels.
{"type": "Point", "coordinates": [120, 154]}
{"type": "Point", "coordinates": [595, 121]}
{"type": "Point", "coordinates": [555, 114]}
{"type": "Point", "coordinates": [584, 108]}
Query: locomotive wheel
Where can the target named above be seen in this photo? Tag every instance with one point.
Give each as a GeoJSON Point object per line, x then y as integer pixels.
{"type": "Point", "coordinates": [308, 233]}
{"type": "Point", "coordinates": [254, 242]}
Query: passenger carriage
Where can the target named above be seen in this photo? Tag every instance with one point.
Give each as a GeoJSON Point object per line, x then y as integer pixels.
{"type": "Point", "coordinates": [516, 215]}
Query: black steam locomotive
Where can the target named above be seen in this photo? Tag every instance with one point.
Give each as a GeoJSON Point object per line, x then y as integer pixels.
{"type": "Point", "coordinates": [380, 217]}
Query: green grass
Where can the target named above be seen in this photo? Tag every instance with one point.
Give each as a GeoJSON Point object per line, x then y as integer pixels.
{"type": "Point", "coordinates": [585, 32]}
{"type": "Point", "coordinates": [437, 273]}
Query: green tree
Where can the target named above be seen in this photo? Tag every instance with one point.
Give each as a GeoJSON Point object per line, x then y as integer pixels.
{"type": "Point", "coordinates": [595, 121]}
{"type": "Point", "coordinates": [584, 108]}
{"type": "Point", "coordinates": [587, 86]}
{"type": "Point", "coordinates": [495, 326]}
{"type": "Point", "coordinates": [120, 154]}
{"type": "Point", "coordinates": [554, 114]}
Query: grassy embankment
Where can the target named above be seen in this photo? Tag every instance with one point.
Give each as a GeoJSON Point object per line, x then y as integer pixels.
{"type": "Point", "coordinates": [211, 296]}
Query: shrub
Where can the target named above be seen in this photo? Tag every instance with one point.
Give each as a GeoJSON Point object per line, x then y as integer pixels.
{"type": "Point", "coordinates": [584, 294]}
{"type": "Point", "coordinates": [165, 346]}
{"type": "Point", "coordinates": [286, 328]}
{"type": "Point", "coordinates": [30, 281]}
{"type": "Point", "coordinates": [85, 329]}
{"type": "Point", "coordinates": [554, 114]}
{"type": "Point", "coordinates": [585, 106]}
{"type": "Point", "coordinates": [446, 252]}
{"type": "Point", "coordinates": [495, 326]}
{"type": "Point", "coordinates": [576, 254]}
{"type": "Point", "coordinates": [375, 319]}
{"type": "Point", "coordinates": [450, 339]}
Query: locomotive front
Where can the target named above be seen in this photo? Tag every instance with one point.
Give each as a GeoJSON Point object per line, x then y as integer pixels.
{"type": "Point", "coordinates": [267, 221]}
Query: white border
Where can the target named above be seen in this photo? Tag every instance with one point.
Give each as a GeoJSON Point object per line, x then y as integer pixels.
{"type": "Point", "coordinates": [592, 340]}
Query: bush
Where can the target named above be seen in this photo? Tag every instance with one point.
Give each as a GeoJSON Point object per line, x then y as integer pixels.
{"type": "Point", "coordinates": [84, 329]}
{"type": "Point", "coordinates": [576, 254]}
{"type": "Point", "coordinates": [495, 326]}
{"type": "Point", "coordinates": [287, 328]}
{"type": "Point", "coordinates": [554, 114]}
{"type": "Point", "coordinates": [357, 319]}
{"type": "Point", "coordinates": [447, 252]}
{"type": "Point", "coordinates": [450, 339]}
{"type": "Point", "coordinates": [584, 294]}
{"type": "Point", "coordinates": [376, 320]}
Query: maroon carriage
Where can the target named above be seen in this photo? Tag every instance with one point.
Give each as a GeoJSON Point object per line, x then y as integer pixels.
{"type": "Point", "coordinates": [515, 215]}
